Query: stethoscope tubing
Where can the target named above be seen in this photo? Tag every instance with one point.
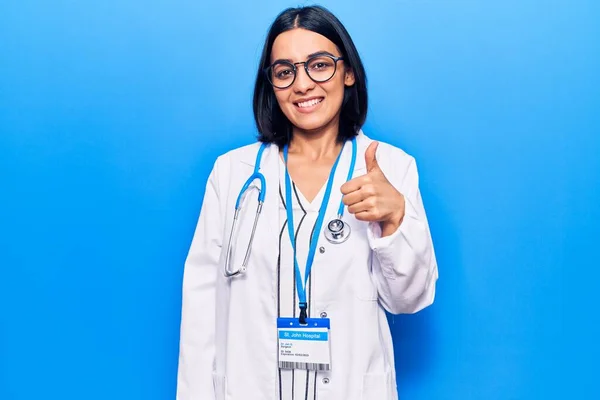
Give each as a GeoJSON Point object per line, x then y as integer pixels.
{"type": "Point", "coordinates": [229, 273]}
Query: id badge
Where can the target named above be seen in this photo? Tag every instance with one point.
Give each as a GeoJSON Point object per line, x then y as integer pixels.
{"type": "Point", "coordinates": [304, 346]}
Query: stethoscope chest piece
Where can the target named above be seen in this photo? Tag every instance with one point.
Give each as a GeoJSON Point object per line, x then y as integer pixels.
{"type": "Point", "coordinates": [337, 231]}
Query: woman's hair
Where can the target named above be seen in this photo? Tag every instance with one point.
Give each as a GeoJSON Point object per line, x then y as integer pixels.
{"type": "Point", "coordinates": [273, 125]}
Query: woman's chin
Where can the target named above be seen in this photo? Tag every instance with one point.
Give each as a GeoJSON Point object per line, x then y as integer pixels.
{"type": "Point", "coordinates": [310, 124]}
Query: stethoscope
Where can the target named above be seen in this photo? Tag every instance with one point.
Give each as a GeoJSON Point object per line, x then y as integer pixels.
{"type": "Point", "coordinates": [336, 232]}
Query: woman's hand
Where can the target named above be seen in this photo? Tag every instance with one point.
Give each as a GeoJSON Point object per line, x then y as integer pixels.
{"type": "Point", "coordinates": [372, 197]}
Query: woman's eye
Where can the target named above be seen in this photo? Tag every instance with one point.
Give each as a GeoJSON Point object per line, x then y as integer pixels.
{"type": "Point", "coordinates": [318, 65]}
{"type": "Point", "coordinates": [284, 74]}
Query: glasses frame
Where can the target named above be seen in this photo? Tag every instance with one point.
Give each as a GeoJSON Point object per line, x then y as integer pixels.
{"type": "Point", "coordinates": [305, 63]}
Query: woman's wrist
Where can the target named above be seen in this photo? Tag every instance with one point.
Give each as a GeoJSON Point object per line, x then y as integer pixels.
{"type": "Point", "coordinates": [391, 224]}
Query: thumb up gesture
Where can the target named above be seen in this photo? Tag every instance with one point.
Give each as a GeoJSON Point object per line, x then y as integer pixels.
{"type": "Point", "coordinates": [371, 197]}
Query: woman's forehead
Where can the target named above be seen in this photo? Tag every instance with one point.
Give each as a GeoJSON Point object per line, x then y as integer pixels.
{"type": "Point", "coordinates": [297, 44]}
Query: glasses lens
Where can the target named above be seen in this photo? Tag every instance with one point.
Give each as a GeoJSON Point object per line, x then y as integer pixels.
{"type": "Point", "coordinates": [282, 74]}
{"type": "Point", "coordinates": [321, 68]}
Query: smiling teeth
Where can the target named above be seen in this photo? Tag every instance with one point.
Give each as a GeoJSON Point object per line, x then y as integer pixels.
{"type": "Point", "coordinates": [309, 103]}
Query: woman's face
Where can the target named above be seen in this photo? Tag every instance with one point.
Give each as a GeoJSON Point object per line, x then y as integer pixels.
{"type": "Point", "coordinates": [309, 105]}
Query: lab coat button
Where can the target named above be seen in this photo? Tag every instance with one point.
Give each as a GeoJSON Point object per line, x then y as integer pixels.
{"type": "Point", "coordinates": [325, 381]}
{"type": "Point", "coordinates": [323, 314]}
{"type": "Point", "coordinates": [321, 249]}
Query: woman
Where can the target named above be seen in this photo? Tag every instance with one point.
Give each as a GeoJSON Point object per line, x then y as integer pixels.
{"type": "Point", "coordinates": [342, 237]}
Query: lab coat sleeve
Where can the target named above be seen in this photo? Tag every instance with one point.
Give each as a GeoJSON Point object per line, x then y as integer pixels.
{"type": "Point", "coordinates": [197, 338]}
{"type": "Point", "coordinates": [404, 266]}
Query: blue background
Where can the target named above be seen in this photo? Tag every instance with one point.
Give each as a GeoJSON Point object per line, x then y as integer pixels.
{"type": "Point", "coordinates": [112, 112]}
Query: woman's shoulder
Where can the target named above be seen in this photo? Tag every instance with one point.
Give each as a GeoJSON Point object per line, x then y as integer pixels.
{"type": "Point", "coordinates": [398, 166]}
{"type": "Point", "coordinates": [386, 152]}
{"type": "Point", "coordinates": [244, 154]}
{"type": "Point", "coordinates": [229, 163]}
{"type": "Point", "coordinates": [241, 153]}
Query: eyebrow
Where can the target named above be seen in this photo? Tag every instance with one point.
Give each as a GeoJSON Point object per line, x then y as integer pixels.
{"type": "Point", "coordinates": [318, 53]}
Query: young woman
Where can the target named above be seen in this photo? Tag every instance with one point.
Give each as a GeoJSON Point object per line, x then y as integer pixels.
{"type": "Point", "coordinates": [289, 303]}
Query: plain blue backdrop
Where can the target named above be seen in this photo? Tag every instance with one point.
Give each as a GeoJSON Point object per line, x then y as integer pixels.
{"type": "Point", "coordinates": [112, 113]}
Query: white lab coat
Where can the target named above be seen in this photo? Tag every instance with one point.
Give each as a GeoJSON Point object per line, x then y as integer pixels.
{"type": "Point", "coordinates": [228, 348]}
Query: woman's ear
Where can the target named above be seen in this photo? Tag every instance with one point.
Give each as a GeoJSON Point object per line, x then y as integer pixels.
{"type": "Point", "coordinates": [349, 77]}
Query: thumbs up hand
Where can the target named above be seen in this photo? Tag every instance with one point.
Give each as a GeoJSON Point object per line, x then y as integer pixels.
{"type": "Point", "coordinates": [372, 197]}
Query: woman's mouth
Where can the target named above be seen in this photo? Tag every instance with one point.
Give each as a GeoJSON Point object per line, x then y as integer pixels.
{"type": "Point", "coordinates": [309, 105]}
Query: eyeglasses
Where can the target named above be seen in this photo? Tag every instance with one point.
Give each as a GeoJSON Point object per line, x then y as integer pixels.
{"type": "Point", "coordinates": [320, 68]}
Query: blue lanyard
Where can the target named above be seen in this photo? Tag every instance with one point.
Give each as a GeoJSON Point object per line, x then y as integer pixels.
{"type": "Point", "coordinates": [301, 283]}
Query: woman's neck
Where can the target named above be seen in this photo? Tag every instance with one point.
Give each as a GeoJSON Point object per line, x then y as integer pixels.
{"type": "Point", "coordinates": [316, 145]}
